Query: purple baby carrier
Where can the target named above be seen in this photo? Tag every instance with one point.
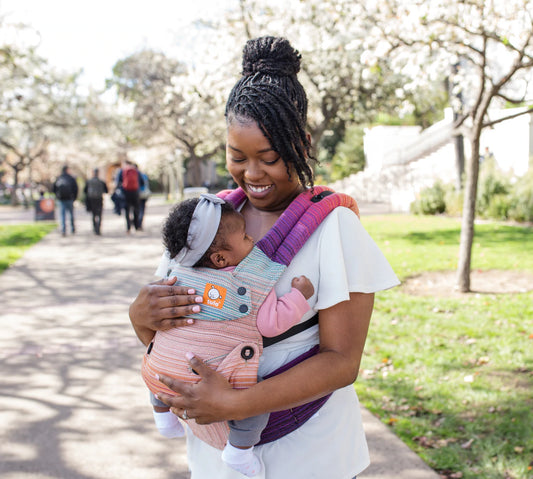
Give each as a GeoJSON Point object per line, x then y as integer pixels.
{"type": "Point", "coordinates": [280, 244]}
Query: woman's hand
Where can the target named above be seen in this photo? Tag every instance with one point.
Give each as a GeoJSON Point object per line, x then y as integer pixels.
{"type": "Point", "coordinates": [212, 399]}
{"type": "Point", "coordinates": [162, 305]}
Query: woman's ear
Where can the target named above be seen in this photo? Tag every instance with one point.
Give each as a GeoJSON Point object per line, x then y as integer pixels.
{"type": "Point", "coordinates": [218, 260]}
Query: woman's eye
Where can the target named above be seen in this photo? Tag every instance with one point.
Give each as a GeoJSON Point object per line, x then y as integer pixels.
{"type": "Point", "coordinates": [271, 162]}
{"type": "Point", "coordinates": [237, 160]}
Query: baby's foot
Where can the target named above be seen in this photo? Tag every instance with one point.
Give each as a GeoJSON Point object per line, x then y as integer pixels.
{"type": "Point", "coordinates": [242, 460]}
{"type": "Point", "coordinates": [168, 424]}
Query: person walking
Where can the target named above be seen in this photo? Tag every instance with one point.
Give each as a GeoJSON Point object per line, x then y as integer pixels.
{"type": "Point", "coordinates": [144, 194]}
{"type": "Point", "coordinates": [130, 180]}
{"type": "Point", "coordinates": [94, 191]}
{"type": "Point", "coordinates": [66, 191]}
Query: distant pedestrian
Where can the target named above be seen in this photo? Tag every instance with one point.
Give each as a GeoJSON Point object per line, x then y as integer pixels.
{"type": "Point", "coordinates": [66, 191]}
{"type": "Point", "coordinates": [130, 180]}
{"type": "Point", "coordinates": [144, 194]}
{"type": "Point", "coordinates": [94, 191]}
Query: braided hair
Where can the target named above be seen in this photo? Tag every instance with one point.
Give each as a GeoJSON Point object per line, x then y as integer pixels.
{"type": "Point", "coordinates": [269, 94]}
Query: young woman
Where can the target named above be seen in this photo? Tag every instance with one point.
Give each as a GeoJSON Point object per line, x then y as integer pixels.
{"type": "Point", "coordinates": [268, 156]}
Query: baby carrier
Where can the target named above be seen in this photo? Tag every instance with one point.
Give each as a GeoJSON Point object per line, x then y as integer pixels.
{"type": "Point", "coordinates": [230, 340]}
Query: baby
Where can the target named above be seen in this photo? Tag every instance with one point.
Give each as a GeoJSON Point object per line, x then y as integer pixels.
{"type": "Point", "coordinates": [208, 232]}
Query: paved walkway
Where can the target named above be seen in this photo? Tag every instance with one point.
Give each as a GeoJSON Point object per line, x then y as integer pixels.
{"type": "Point", "coordinates": [72, 402]}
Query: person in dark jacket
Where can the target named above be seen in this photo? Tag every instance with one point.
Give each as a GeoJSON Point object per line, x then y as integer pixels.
{"type": "Point", "coordinates": [66, 192]}
{"type": "Point", "coordinates": [94, 191]}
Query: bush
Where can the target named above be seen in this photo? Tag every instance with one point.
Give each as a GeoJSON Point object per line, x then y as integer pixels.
{"type": "Point", "coordinates": [493, 185]}
{"type": "Point", "coordinates": [454, 201]}
{"type": "Point", "coordinates": [499, 207]}
{"type": "Point", "coordinates": [430, 200]}
{"type": "Point", "coordinates": [349, 157]}
{"type": "Point", "coordinates": [522, 198]}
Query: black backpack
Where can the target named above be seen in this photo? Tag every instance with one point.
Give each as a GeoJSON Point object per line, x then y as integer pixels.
{"type": "Point", "coordinates": [95, 188]}
{"type": "Point", "coordinates": [63, 188]}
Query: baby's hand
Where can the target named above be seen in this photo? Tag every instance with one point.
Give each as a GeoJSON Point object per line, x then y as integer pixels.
{"type": "Point", "coordinates": [302, 284]}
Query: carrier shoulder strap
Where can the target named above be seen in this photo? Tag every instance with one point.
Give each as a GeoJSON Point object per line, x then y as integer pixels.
{"type": "Point", "coordinates": [298, 222]}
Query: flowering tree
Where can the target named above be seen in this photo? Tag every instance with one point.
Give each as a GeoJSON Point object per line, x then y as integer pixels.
{"type": "Point", "coordinates": [488, 45]}
{"type": "Point", "coordinates": [37, 103]}
{"type": "Point", "coordinates": [173, 103]}
{"type": "Point", "coordinates": [331, 36]}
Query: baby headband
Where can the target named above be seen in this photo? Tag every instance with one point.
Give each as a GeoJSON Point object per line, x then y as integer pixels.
{"type": "Point", "coordinates": [202, 230]}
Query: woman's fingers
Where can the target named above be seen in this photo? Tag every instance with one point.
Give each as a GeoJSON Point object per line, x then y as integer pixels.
{"type": "Point", "coordinates": [182, 388]}
{"type": "Point", "coordinates": [201, 399]}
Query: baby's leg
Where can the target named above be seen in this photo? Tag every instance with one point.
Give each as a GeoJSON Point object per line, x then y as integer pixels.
{"type": "Point", "coordinates": [239, 451]}
{"type": "Point", "coordinates": [166, 422]}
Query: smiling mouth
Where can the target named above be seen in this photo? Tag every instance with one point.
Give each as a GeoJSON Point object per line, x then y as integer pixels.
{"type": "Point", "coordinates": [258, 189]}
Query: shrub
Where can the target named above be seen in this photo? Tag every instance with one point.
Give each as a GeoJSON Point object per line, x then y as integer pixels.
{"type": "Point", "coordinates": [492, 185]}
{"type": "Point", "coordinates": [430, 200]}
{"type": "Point", "coordinates": [499, 207]}
{"type": "Point", "coordinates": [522, 198]}
{"type": "Point", "coordinates": [454, 201]}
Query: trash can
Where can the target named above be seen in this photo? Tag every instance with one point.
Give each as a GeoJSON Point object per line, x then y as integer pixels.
{"type": "Point", "coordinates": [45, 209]}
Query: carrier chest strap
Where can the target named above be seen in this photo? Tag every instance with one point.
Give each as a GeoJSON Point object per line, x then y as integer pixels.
{"type": "Point", "coordinates": [298, 328]}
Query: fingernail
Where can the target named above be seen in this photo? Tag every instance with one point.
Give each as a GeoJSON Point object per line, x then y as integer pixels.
{"type": "Point", "coordinates": [189, 356]}
{"type": "Point", "coordinates": [199, 299]}
{"type": "Point", "coordinates": [191, 291]}
{"type": "Point", "coordinates": [157, 376]}
{"type": "Point", "coordinates": [196, 309]}
{"type": "Point", "coordinates": [190, 321]}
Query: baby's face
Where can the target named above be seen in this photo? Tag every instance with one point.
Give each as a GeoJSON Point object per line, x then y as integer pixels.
{"type": "Point", "coordinates": [238, 244]}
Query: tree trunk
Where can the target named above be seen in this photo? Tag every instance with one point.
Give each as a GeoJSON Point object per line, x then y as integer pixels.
{"type": "Point", "coordinates": [14, 197]}
{"type": "Point", "coordinates": [194, 171]}
{"type": "Point", "coordinates": [469, 215]}
{"type": "Point", "coordinates": [459, 161]}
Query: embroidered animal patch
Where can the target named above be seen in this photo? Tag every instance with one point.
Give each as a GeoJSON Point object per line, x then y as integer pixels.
{"type": "Point", "coordinates": [214, 295]}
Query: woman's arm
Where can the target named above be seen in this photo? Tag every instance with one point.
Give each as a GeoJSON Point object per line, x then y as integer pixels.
{"type": "Point", "coordinates": [343, 331]}
{"type": "Point", "coordinates": [162, 305]}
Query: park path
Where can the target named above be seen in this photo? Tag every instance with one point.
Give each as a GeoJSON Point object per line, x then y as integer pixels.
{"type": "Point", "coordinates": [72, 402]}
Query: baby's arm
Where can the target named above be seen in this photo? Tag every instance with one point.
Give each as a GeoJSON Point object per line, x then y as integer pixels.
{"type": "Point", "coordinates": [277, 315]}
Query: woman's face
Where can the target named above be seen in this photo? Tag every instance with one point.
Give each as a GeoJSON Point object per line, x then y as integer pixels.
{"type": "Point", "coordinates": [258, 169]}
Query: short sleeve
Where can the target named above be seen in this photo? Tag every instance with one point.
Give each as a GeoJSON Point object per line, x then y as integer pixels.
{"type": "Point", "coordinates": [349, 260]}
{"type": "Point", "coordinates": [164, 265]}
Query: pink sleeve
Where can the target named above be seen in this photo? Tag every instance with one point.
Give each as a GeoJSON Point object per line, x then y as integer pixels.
{"type": "Point", "coordinates": [275, 315]}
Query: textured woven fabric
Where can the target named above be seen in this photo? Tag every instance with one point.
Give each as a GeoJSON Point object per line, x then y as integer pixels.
{"type": "Point", "coordinates": [226, 338]}
{"type": "Point", "coordinates": [297, 222]}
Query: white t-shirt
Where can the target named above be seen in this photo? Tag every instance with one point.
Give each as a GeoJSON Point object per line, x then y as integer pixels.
{"type": "Point", "coordinates": [338, 258]}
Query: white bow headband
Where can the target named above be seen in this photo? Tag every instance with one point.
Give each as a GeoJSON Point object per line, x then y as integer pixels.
{"type": "Point", "coordinates": [202, 230]}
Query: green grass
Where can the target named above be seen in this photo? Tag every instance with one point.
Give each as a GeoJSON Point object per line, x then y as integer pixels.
{"type": "Point", "coordinates": [453, 376]}
{"type": "Point", "coordinates": [16, 239]}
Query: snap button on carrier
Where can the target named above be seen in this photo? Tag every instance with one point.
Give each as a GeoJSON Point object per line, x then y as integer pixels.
{"type": "Point", "coordinates": [247, 352]}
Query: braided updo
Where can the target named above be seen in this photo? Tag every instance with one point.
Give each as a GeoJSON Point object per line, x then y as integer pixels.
{"type": "Point", "coordinates": [269, 94]}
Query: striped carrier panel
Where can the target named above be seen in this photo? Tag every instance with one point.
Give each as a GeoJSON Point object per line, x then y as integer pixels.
{"type": "Point", "coordinates": [225, 336]}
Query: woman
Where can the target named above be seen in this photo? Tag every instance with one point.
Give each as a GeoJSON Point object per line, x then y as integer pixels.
{"type": "Point", "coordinates": [268, 156]}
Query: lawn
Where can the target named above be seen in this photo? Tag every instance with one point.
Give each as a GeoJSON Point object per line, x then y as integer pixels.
{"type": "Point", "coordinates": [16, 239]}
{"type": "Point", "coordinates": [453, 376]}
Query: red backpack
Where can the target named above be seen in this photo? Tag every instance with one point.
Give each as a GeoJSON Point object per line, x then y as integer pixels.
{"type": "Point", "coordinates": [130, 179]}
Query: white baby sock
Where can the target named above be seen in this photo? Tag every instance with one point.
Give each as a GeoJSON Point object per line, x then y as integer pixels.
{"type": "Point", "coordinates": [242, 460]}
{"type": "Point", "coordinates": [168, 424]}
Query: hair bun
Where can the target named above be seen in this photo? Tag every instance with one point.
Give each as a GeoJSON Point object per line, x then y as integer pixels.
{"type": "Point", "coordinates": [270, 55]}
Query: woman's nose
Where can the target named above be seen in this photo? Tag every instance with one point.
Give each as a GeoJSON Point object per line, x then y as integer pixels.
{"type": "Point", "coordinates": [253, 171]}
